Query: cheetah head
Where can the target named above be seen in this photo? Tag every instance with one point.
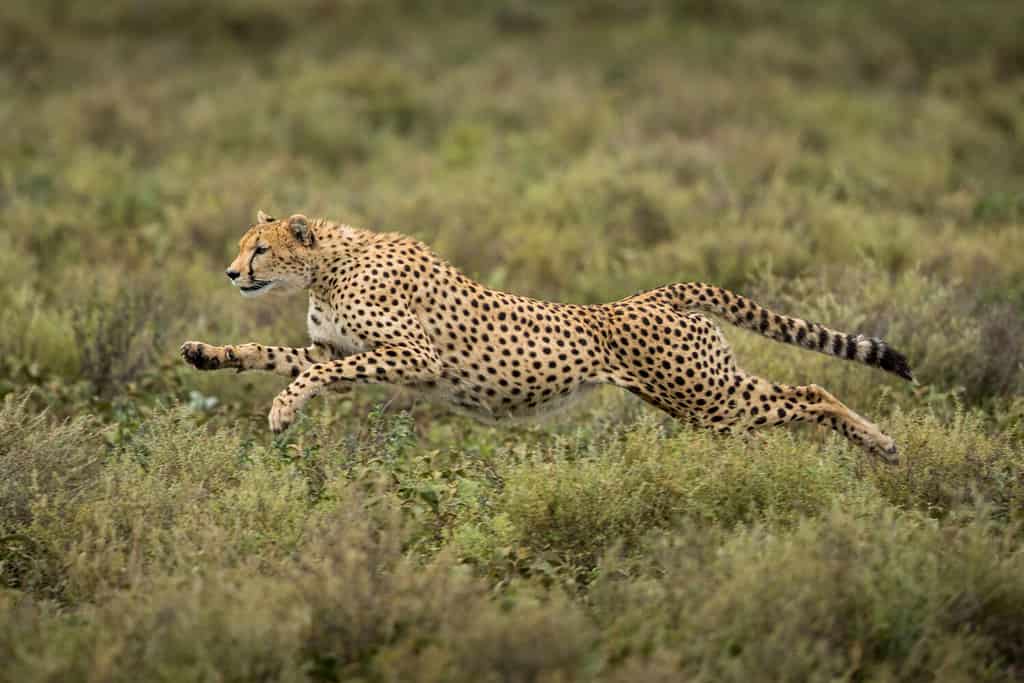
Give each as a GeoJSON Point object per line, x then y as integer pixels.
{"type": "Point", "coordinates": [273, 254]}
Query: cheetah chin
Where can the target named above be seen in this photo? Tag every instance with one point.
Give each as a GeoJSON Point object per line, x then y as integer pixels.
{"type": "Point", "coordinates": [385, 309]}
{"type": "Point", "coordinates": [257, 288]}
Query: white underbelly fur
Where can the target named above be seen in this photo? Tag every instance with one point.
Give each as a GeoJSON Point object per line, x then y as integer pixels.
{"type": "Point", "coordinates": [492, 411]}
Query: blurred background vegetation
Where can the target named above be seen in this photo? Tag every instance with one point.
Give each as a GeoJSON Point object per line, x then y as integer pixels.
{"type": "Point", "coordinates": [857, 163]}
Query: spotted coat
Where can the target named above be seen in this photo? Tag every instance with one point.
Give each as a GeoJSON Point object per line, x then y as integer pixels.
{"type": "Point", "coordinates": [383, 308]}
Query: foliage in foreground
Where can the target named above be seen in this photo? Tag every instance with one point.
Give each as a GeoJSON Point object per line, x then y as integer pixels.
{"type": "Point", "coordinates": [185, 552]}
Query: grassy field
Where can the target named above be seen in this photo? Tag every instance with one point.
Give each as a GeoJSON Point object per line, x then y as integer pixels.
{"type": "Point", "coordinates": [856, 163]}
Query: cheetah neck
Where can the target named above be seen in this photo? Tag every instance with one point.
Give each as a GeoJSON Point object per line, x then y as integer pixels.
{"type": "Point", "coordinates": [336, 245]}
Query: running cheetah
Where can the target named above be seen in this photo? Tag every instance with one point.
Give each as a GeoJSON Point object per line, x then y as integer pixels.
{"type": "Point", "coordinates": [383, 308]}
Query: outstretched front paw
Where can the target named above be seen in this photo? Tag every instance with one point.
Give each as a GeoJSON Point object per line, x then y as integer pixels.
{"type": "Point", "coordinates": [206, 357]}
{"type": "Point", "coordinates": [886, 450]}
{"type": "Point", "coordinates": [282, 413]}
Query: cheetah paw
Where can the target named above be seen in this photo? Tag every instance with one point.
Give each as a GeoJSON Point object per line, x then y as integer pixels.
{"type": "Point", "coordinates": [282, 415]}
{"type": "Point", "coordinates": [887, 451]}
{"type": "Point", "coordinates": [207, 357]}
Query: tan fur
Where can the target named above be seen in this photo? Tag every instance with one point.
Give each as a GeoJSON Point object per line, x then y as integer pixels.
{"type": "Point", "coordinates": [383, 308]}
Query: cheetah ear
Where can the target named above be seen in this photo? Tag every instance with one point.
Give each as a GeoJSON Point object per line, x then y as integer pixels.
{"type": "Point", "coordinates": [300, 228]}
{"type": "Point", "coordinates": [262, 217]}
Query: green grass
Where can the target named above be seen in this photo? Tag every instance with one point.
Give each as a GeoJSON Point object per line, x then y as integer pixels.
{"type": "Point", "coordinates": [859, 164]}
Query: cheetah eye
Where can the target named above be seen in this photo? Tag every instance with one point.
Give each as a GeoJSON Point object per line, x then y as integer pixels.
{"type": "Point", "coordinates": [262, 249]}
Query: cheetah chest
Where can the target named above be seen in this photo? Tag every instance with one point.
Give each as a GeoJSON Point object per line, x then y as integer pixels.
{"type": "Point", "coordinates": [327, 327]}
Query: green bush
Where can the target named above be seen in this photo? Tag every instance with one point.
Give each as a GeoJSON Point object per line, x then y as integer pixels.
{"type": "Point", "coordinates": [577, 507]}
{"type": "Point", "coordinates": [861, 592]}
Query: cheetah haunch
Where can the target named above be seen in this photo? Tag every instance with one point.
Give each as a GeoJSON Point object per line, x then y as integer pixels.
{"type": "Point", "coordinates": [383, 308]}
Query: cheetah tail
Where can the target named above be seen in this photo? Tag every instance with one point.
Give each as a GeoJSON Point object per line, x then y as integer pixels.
{"type": "Point", "coordinates": [743, 312]}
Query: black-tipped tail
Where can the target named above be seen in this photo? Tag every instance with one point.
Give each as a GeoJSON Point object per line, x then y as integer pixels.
{"type": "Point", "coordinates": [896, 363]}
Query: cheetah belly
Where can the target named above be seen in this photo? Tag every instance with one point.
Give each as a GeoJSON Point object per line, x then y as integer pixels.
{"type": "Point", "coordinates": [473, 401]}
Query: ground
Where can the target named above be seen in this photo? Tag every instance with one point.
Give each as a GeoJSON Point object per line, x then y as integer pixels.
{"type": "Point", "coordinates": [857, 164]}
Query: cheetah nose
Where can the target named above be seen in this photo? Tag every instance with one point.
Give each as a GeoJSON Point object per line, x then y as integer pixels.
{"type": "Point", "coordinates": [232, 274]}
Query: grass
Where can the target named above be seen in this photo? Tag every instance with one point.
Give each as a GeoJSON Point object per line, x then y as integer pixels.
{"type": "Point", "coordinates": [853, 163]}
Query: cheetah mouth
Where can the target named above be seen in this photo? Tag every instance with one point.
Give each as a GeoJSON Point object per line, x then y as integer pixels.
{"type": "Point", "coordinates": [257, 287]}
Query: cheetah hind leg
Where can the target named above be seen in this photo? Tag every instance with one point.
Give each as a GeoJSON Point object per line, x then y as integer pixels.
{"type": "Point", "coordinates": [724, 398]}
{"type": "Point", "coordinates": [757, 403]}
{"type": "Point", "coordinates": [778, 404]}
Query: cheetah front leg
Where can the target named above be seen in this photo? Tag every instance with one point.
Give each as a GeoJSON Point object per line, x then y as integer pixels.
{"type": "Point", "coordinates": [386, 365]}
{"type": "Point", "coordinates": [281, 360]}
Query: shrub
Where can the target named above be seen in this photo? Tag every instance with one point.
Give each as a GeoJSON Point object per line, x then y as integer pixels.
{"type": "Point", "coordinates": [572, 509]}
{"type": "Point", "coordinates": [164, 496]}
{"type": "Point", "coordinates": [39, 459]}
{"type": "Point", "coordinates": [117, 336]}
{"type": "Point", "coordinates": [955, 467]}
{"type": "Point", "coordinates": [861, 592]}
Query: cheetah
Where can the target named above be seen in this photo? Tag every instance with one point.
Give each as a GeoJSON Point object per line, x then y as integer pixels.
{"type": "Point", "coordinates": [383, 308]}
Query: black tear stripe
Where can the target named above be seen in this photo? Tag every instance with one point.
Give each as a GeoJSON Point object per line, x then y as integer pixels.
{"type": "Point", "coordinates": [252, 257]}
{"type": "Point", "coordinates": [851, 347]}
